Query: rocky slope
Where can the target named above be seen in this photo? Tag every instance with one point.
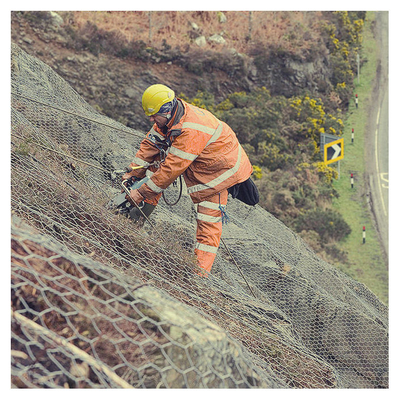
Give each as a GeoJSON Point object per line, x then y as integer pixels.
{"type": "Point", "coordinates": [114, 85]}
{"type": "Point", "coordinates": [91, 278]}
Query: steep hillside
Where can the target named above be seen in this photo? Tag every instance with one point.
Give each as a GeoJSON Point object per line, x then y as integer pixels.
{"type": "Point", "coordinates": [279, 81]}
{"type": "Point", "coordinates": [98, 301]}
{"type": "Point", "coordinates": [108, 57]}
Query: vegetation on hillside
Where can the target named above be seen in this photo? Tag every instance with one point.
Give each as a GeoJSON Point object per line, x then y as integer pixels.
{"type": "Point", "coordinates": [170, 37]}
{"type": "Point", "coordinates": [281, 136]}
{"type": "Point", "coordinates": [179, 29]}
{"type": "Point", "coordinates": [280, 133]}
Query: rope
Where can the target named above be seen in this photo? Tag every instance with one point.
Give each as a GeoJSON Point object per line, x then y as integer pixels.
{"type": "Point", "coordinates": [79, 160]}
{"type": "Point", "coordinates": [76, 115]}
{"type": "Point", "coordinates": [94, 166]}
{"type": "Point", "coordinates": [104, 170]}
{"type": "Point", "coordinates": [63, 154]}
{"type": "Point", "coordinates": [237, 265]}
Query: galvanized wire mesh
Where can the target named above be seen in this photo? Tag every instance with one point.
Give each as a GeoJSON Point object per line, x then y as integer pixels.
{"type": "Point", "coordinates": [99, 301]}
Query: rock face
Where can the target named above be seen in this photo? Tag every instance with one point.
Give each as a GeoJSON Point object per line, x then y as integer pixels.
{"type": "Point", "coordinates": [180, 348]}
{"type": "Point", "coordinates": [115, 85]}
{"type": "Point", "coordinates": [201, 346]}
{"type": "Point", "coordinates": [286, 76]}
{"type": "Point", "coordinates": [335, 316]}
{"type": "Point", "coordinates": [303, 324]}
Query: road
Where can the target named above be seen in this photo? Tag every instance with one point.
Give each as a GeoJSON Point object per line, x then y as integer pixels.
{"type": "Point", "coordinates": [377, 138]}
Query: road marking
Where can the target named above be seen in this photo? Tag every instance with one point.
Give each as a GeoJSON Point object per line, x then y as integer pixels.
{"type": "Point", "coordinates": [385, 185]}
{"type": "Point", "coordinates": [377, 162]}
{"type": "Point", "coordinates": [383, 176]}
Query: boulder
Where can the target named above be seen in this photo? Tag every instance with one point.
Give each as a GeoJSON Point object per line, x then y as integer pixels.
{"type": "Point", "coordinates": [156, 340]}
{"type": "Point", "coordinates": [217, 39]}
{"type": "Point", "coordinates": [194, 26]}
{"type": "Point", "coordinates": [55, 19]}
{"type": "Point", "coordinates": [200, 41]}
{"type": "Point", "coordinates": [221, 17]}
{"type": "Point", "coordinates": [199, 345]}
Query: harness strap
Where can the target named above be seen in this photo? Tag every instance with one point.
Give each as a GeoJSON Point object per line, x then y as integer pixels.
{"type": "Point", "coordinates": [224, 215]}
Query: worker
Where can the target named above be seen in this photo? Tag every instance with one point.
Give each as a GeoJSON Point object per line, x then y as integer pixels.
{"type": "Point", "coordinates": [190, 141]}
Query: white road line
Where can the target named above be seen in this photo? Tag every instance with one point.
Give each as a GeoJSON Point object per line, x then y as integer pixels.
{"type": "Point", "coordinates": [377, 163]}
{"type": "Point", "coordinates": [383, 176]}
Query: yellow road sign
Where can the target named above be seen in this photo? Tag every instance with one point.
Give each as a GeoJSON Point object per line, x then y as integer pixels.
{"type": "Point", "coordinates": [334, 151]}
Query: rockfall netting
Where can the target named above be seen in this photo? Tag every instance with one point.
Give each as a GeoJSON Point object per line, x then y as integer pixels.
{"type": "Point", "coordinates": [99, 301]}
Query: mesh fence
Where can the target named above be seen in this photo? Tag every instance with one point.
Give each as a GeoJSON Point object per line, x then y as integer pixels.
{"type": "Point", "coordinates": [101, 301]}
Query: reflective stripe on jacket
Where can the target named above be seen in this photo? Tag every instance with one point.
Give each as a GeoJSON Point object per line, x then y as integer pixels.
{"type": "Point", "coordinates": [209, 230]}
{"type": "Point", "coordinates": [199, 146]}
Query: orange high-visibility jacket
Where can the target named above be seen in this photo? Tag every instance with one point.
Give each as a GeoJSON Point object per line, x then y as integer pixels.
{"type": "Point", "coordinates": [199, 146]}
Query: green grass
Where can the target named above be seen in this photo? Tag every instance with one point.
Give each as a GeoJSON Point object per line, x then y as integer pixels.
{"type": "Point", "coordinates": [366, 261]}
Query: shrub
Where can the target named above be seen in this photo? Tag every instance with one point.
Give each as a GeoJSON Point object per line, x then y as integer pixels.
{"type": "Point", "coordinates": [269, 155]}
{"type": "Point", "coordinates": [257, 172]}
{"type": "Point", "coordinates": [202, 99]}
{"type": "Point", "coordinates": [329, 224]}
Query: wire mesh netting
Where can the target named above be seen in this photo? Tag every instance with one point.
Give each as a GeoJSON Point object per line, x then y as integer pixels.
{"type": "Point", "coordinates": [101, 301]}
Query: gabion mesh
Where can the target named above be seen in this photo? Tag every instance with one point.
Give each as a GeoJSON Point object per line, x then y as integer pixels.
{"type": "Point", "coordinates": [101, 301]}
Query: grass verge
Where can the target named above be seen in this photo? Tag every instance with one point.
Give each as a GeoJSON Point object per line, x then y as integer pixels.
{"type": "Point", "coordinates": [366, 261]}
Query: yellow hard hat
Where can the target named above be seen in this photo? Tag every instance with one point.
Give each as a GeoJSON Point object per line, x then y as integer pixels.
{"type": "Point", "coordinates": [154, 97]}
